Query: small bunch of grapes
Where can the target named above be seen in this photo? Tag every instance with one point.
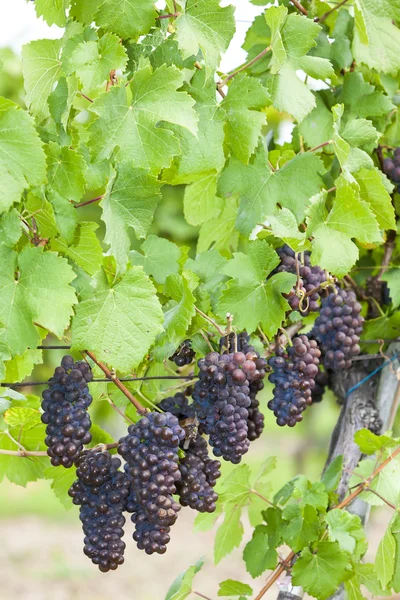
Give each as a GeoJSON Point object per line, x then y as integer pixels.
{"type": "Point", "coordinates": [184, 355]}
{"type": "Point", "coordinates": [178, 406]}
{"type": "Point", "coordinates": [337, 329]}
{"type": "Point", "coordinates": [294, 373]}
{"type": "Point", "coordinates": [310, 278]}
{"type": "Point", "coordinates": [101, 491]}
{"type": "Point", "coordinates": [65, 403]}
{"type": "Point", "coordinates": [391, 167]}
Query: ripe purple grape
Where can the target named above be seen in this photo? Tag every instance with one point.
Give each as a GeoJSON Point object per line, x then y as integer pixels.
{"type": "Point", "coordinates": [65, 403]}
{"type": "Point", "coordinates": [184, 355]}
{"type": "Point", "coordinates": [101, 491]}
{"type": "Point", "coordinates": [294, 373]}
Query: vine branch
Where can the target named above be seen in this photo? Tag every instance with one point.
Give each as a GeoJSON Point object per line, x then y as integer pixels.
{"type": "Point", "coordinates": [243, 68]}
{"type": "Point", "coordinates": [213, 323]}
{"type": "Point", "coordinates": [87, 202]}
{"type": "Point", "coordinates": [139, 407]}
{"type": "Point", "coordinates": [103, 380]}
{"type": "Point", "coordinates": [42, 453]}
{"type": "Point", "coordinates": [329, 12]}
{"type": "Point", "coordinates": [299, 7]}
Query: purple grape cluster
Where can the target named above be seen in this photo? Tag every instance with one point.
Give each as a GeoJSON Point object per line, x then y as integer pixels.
{"type": "Point", "coordinates": [391, 167]}
{"type": "Point", "coordinates": [294, 373]}
{"type": "Point", "coordinates": [221, 401]}
{"type": "Point", "coordinates": [151, 453]}
{"type": "Point", "coordinates": [65, 403]}
{"type": "Point", "coordinates": [255, 420]}
{"type": "Point", "coordinates": [337, 329]}
{"type": "Point", "coordinates": [199, 475]}
{"type": "Point", "coordinates": [310, 278]}
{"type": "Point", "coordinates": [184, 355]}
{"type": "Point", "coordinates": [101, 491]}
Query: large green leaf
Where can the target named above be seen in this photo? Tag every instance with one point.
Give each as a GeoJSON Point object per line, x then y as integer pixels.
{"type": "Point", "coordinates": [41, 66]}
{"type": "Point", "coordinates": [120, 323]}
{"type": "Point", "coordinates": [126, 18]}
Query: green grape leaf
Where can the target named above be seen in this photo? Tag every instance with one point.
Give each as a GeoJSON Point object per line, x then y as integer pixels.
{"type": "Point", "coordinates": [252, 298]}
{"type": "Point", "coordinates": [292, 36]}
{"type": "Point", "coordinates": [236, 486]}
{"type": "Point", "coordinates": [301, 526]}
{"type": "Point", "coordinates": [316, 127]}
{"type": "Point", "coordinates": [23, 417]}
{"type": "Point", "coordinates": [350, 159]}
{"type": "Point", "coordinates": [159, 258]}
{"type": "Point", "coordinates": [10, 228]}
{"type": "Point", "coordinates": [66, 171]}
{"type": "Point", "coordinates": [332, 474]}
{"type": "Point", "coordinates": [52, 11]}
{"type": "Point", "coordinates": [19, 470]}
{"type": "Point", "coordinates": [260, 189]}
{"type": "Point", "coordinates": [22, 160]}
{"type": "Point", "coordinates": [21, 366]}
{"type": "Point", "coordinates": [85, 249]}
{"type": "Point", "coordinates": [93, 61]}
{"type": "Point", "coordinates": [134, 127]}
{"type": "Point", "coordinates": [66, 216]}
{"type": "Point", "coordinates": [369, 442]}
{"type": "Point", "coordinates": [361, 99]}
{"type": "Point", "coordinates": [346, 529]}
{"type": "Point", "coordinates": [372, 191]}
{"type": "Point", "coordinates": [376, 37]}
{"type": "Point", "coordinates": [244, 117]}
{"type": "Point", "coordinates": [385, 558]}
{"type": "Point", "coordinates": [130, 201]}
{"type": "Point", "coordinates": [120, 323]}
{"type": "Point", "coordinates": [258, 555]}
{"type": "Point", "coordinates": [178, 317]}
{"type": "Point", "coordinates": [360, 133]}
{"type": "Point", "coordinates": [126, 18]}
{"type": "Point", "coordinates": [353, 591]}
{"type": "Point", "coordinates": [313, 494]}
{"type": "Point", "coordinates": [367, 575]}
{"type": "Point", "coordinates": [41, 67]}
{"type": "Point", "coordinates": [229, 534]}
{"type": "Point", "coordinates": [201, 202]}
{"type": "Point", "coordinates": [27, 299]}
{"type": "Point", "coordinates": [320, 573]}
{"type": "Point", "coordinates": [230, 587]}
{"type": "Point", "coordinates": [220, 232]}
{"type": "Point", "coordinates": [203, 153]}
{"type": "Point", "coordinates": [386, 483]}
{"type": "Point", "coordinates": [182, 586]}
{"type": "Point", "coordinates": [62, 479]}
{"type": "Point", "coordinates": [208, 267]}
{"type": "Point", "coordinates": [205, 26]}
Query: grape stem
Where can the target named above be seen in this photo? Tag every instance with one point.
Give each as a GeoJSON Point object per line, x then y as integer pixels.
{"type": "Point", "coordinates": [359, 489]}
{"type": "Point", "coordinates": [222, 83]}
{"type": "Point", "coordinates": [388, 252]}
{"type": "Point", "coordinates": [88, 202]}
{"type": "Point", "coordinates": [320, 146]}
{"type": "Point", "coordinates": [299, 7]}
{"type": "Point", "coordinates": [200, 595]}
{"type": "Point", "coordinates": [40, 453]}
{"type": "Point", "coordinates": [213, 323]}
{"type": "Point", "coordinates": [140, 409]}
{"type": "Point", "coordinates": [100, 380]}
{"type": "Point", "coordinates": [329, 12]}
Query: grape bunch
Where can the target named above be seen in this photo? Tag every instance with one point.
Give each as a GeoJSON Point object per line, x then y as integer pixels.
{"type": "Point", "coordinates": [101, 491]}
{"type": "Point", "coordinates": [310, 278]}
{"type": "Point", "coordinates": [151, 453]}
{"type": "Point", "coordinates": [255, 420]}
{"type": "Point", "coordinates": [221, 400]}
{"type": "Point", "coordinates": [65, 403]}
{"type": "Point", "coordinates": [294, 375]}
{"type": "Point", "coordinates": [199, 475]}
{"type": "Point", "coordinates": [391, 167]}
{"type": "Point", "coordinates": [337, 329]}
{"type": "Point", "coordinates": [184, 355]}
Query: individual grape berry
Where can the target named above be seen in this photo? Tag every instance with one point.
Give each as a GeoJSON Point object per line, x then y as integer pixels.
{"type": "Point", "coordinates": [178, 406]}
{"type": "Point", "coordinates": [338, 328]}
{"type": "Point", "coordinates": [321, 382]}
{"type": "Point", "coordinates": [65, 403]}
{"type": "Point", "coordinates": [184, 355]}
{"type": "Point", "coordinates": [294, 372]}
{"type": "Point", "coordinates": [198, 477]}
{"type": "Point", "coordinates": [255, 420]}
{"type": "Point", "coordinates": [101, 491]}
{"type": "Point", "coordinates": [151, 453]}
{"type": "Point", "coordinates": [221, 400]}
{"type": "Point", "coordinates": [310, 278]}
